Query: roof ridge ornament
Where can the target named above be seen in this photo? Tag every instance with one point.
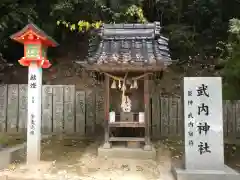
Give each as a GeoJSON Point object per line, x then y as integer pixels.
{"type": "Point", "coordinates": [157, 28]}
{"type": "Point", "coordinates": [141, 31]}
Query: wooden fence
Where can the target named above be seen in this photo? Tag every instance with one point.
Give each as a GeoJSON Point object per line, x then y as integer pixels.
{"type": "Point", "coordinates": [168, 121]}
{"type": "Point", "coordinates": [71, 111]}
{"type": "Point", "coordinates": [63, 109]}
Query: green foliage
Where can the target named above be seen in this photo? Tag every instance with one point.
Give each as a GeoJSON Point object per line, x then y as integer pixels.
{"type": "Point", "coordinates": [230, 58]}
{"type": "Point", "coordinates": [135, 11]}
{"type": "Point", "coordinates": [234, 26]}
{"type": "Point", "coordinates": [194, 27]}
{"type": "Point", "coordinates": [12, 16]}
{"type": "Point", "coordinates": [111, 109]}
{"type": "Point", "coordinates": [83, 26]}
{"type": "Point", "coordinates": [182, 40]}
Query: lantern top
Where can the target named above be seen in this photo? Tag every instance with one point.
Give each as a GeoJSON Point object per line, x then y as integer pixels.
{"type": "Point", "coordinates": [29, 32]}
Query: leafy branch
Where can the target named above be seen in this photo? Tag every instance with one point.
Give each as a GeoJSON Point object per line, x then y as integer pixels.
{"type": "Point", "coordinates": [83, 26]}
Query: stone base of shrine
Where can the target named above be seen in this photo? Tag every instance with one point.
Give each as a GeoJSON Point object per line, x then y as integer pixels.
{"type": "Point", "coordinates": [125, 152]}
{"type": "Point", "coordinates": [226, 174]}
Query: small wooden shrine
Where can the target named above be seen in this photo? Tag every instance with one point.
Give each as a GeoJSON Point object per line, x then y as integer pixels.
{"type": "Point", "coordinates": [128, 54]}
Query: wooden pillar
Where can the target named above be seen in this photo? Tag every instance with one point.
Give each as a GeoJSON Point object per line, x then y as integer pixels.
{"type": "Point", "coordinates": [106, 111]}
{"type": "Point", "coordinates": [147, 113]}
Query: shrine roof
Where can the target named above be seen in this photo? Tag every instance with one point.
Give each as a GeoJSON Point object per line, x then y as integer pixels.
{"type": "Point", "coordinates": [36, 30]}
{"type": "Point", "coordinates": [130, 47]}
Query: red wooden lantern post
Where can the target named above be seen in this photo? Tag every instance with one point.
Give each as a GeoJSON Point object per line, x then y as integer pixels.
{"type": "Point", "coordinates": [35, 43]}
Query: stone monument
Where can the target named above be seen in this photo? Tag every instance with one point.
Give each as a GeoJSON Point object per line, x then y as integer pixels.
{"type": "Point", "coordinates": [203, 123]}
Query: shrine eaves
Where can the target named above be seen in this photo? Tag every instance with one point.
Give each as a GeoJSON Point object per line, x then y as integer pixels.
{"type": "Point", "coordinates": [129, 47]}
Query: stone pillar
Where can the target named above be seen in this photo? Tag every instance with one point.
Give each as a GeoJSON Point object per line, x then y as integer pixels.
{"type": "Point", "coordinates": [203, 126]}
{"type": "Point", "coordinates": [34, 113]}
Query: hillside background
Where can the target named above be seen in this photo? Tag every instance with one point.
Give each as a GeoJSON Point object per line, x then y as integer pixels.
{"type": "Point", "coordinates": [204, 37]}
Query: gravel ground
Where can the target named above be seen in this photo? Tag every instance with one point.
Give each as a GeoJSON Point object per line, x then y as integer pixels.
{"type": "Point", "coordinates": [77, 160]}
